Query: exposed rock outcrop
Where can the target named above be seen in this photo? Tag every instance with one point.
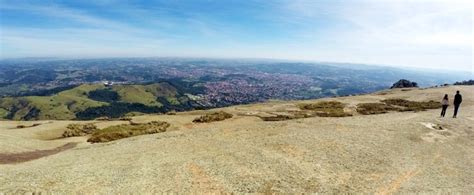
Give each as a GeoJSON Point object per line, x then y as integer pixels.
{"type": "Point", "coordinates": [403, 83]}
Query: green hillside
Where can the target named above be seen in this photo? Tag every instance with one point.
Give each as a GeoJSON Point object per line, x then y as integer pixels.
{"type": "Point", "coordinates": [89, 101]}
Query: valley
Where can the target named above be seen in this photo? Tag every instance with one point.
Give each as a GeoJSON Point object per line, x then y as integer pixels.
{"type": "Point", "coordinates": [117, 87]}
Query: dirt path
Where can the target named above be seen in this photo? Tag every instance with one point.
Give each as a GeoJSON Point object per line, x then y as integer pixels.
{"type": "Point", "coordinates": [12, 158]}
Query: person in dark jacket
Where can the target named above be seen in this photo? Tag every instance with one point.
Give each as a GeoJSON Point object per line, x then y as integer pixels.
{"type": "Point", "coordinates": [445, 104]}
{"type": "Point", "coordinates": [457, 103]}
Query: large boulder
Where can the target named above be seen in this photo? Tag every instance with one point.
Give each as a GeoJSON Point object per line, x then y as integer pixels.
{"type": "Point", "coordinates": [403, 83]}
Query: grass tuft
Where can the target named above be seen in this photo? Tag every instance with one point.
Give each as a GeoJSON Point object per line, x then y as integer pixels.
{"type": "Point", "coordinates": [74, 130]}
{"type": "Point", "coordinates": [127, 130]}
{"type": "Point", "coordinates": [412, 105]}
{"type": "Point", "coordinates": [396, 104]}
{"type": "Point", "coordinates": [374, 108]}
{"type": "Point", "coordinates": [27, 126]}
{"type": "Point", "coordinates": [211, 117]}
{"type": "Point", "coordinates": [326, 108]}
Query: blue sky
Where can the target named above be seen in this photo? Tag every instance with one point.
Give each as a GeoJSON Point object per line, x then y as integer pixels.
{"type": "Point", "coordinates": [424, 33]}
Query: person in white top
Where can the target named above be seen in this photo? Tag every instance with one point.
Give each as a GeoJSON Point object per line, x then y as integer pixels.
{"type": "Point", "coordinates": [445, 104]}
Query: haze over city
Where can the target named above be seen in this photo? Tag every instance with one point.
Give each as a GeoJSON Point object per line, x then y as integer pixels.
{"type": "Point", "coordinates": [422, 34]}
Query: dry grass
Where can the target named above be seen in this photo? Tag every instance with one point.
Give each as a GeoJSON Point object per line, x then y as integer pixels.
{"type": "Point", "coordinates": [374, 108]}
{"type": "Point", "coordinates": [127, 130]}
{"type": "Point", "coordinates": [321, 109]}
{"type": "Point", "coordinates": [211, 117]}
{"type": "Point", "coordinates": [278, 117]}
{"type": "Point", "coordinates": [321, 105]}
{"type": "Point", "coordinates": [289, 116]}
{"type": "Point", "coordinates": [396, 104]}
{"type": "Point", "coordinates": [27, 126]}
{"type": "Point", "coordinates": [74, 130]}
{"type": "Point", "coordinates": [412, 105]}
{"type": "Point", "coordinates": [326, 108]}
{"type": "Point", "coordinates": [125, 118]}
{"type": "Point", "coordinates": [103, 118]}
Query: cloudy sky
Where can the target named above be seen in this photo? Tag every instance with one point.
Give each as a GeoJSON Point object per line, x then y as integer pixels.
{"type": "Point", "coordinates": [418, 33]}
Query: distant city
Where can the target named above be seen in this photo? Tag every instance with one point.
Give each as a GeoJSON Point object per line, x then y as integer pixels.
{"type": "Point", "coordinates": [211, 82]}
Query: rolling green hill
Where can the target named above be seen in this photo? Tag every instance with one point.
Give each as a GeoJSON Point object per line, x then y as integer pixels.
{"type": "Point", "coordinates": [90, 101]}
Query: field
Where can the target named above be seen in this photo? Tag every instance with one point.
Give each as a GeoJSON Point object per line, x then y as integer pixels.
{"type": "Point", "coordinates": [381, 153]}
{"type": "Point", "coordinates": [89, 101]}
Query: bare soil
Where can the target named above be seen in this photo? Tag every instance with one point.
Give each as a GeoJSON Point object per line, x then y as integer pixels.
{"type": "Point", "coordinates": [11, 158]}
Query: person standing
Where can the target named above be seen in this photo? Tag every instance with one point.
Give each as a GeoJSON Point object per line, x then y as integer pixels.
{"type": "Point", "coordinates": [457, 103]}
{"type": "Point", "coordinates": [445, 104]}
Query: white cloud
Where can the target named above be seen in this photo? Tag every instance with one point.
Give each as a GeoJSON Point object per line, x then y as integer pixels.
{"type": "Point", "coordinates": [411, 33]}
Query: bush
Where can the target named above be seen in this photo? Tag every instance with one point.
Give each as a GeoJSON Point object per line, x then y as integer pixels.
{"type": "Point", "coordinates": [102, 118]}
{"type": "Point", "coordinates": [125, 118]}
{"type": "Point", "coordinates": [278, 118]}
{"type": "Point", "coordinates": [27, 126]}
{"type": "Point", "coordinates": [211, 117]}
{"type": "Point", "coordinates": [412, 105]}
{"type": "Point", "coordinates": [74, 130]}
{"type": "Point", "coordinates": [127, 130]}
{"type": "Point", "coordinates": [374, 108]}
{"type": "Point", "coordinates": [396, 104]}
{"type": "Point", "coordinates": [403, 83]}
{"type": "Point", "coordinates": [321, 105]}
{"type": "Point", "coordinates": [326, 108]}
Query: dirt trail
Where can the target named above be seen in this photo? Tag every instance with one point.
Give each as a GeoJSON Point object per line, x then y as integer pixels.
{"type": "Point", "coordinates": [12, 158]}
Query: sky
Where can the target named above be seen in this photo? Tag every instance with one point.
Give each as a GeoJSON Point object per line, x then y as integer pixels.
{"type": "Point", "coordinates": [434, 34]}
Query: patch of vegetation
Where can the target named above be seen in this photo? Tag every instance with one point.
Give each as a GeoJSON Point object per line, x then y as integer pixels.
{"type": "Point", "coordinates": [116, 110]}
{"type": "Point", "coordinates": [47, 92]}
{"type": "Point", "coordinates": [103, 95]}
{"type": "Point", "coordinates": [396, 104]}
{"type": "Point", "coordinates": [74, 130]}
{"type": "Point", "coordinates": [278, 117]}
{"type": "Point", "coordinates": [211, 117]}
{"type": "Point", "coordinates": [468, 82]}
{"type": "Point", "coordinates": [130, 114]}
{"type": "Point", "coordinates": [137, 94]}
{"type": "Point", "coordinates": [374, 108]}
{"type": "Point", "coordinates": [3, 113]}
{"type": "Point", "coordinates": [90, 101]}
{"type": "Point", "coordinates": [403, 83]}
{"type": "Point", "coordinates": [326, 108]}
{"type": "Point", "coordinates": [127, 130]}
{"type": "Point", "coordinates": [102, 118]}
{"type": "Point", "coordinates": [408, 105]}
{"type": "Point", "coordinates": [125, 119]}
{"type": "Point", "coordinates": [27, 126]}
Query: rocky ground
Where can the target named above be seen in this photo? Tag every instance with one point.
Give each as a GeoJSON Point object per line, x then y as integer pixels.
{"type": "Point", "coordinates": [403, 152]}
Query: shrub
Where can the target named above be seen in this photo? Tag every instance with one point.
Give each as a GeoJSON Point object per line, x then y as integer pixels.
{"type": "Point", "coordinates": [326, 108]}
{"type": "Point", "coordinates": [374, 108]}
{"type": "Point", "coordinates": [74, 130]}
{"type": "Point", "coordinates": [321, 105]}
{"type": "Point", "coordinates": [27, 126]}
{"type": "Point", "coordinates": [403, 83]}
{"type": "Point", "coordinates": [125, 118]}
{"type": "Point", "coordinates": [172, 112]}
{"type": "Point", "coordinates": [103, 118]}
{"type": "Point", "coordinates": [211, 117]}
{"type": "Point", "coordinates": [127, 130]}
{"type": "Point", "coordinates": [278, 118]}
{"type": "Point", "coordinates": [412, 105]}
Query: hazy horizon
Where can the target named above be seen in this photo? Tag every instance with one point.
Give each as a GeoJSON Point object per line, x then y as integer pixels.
{"type": "Point", "coordinates": [433, 35]}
